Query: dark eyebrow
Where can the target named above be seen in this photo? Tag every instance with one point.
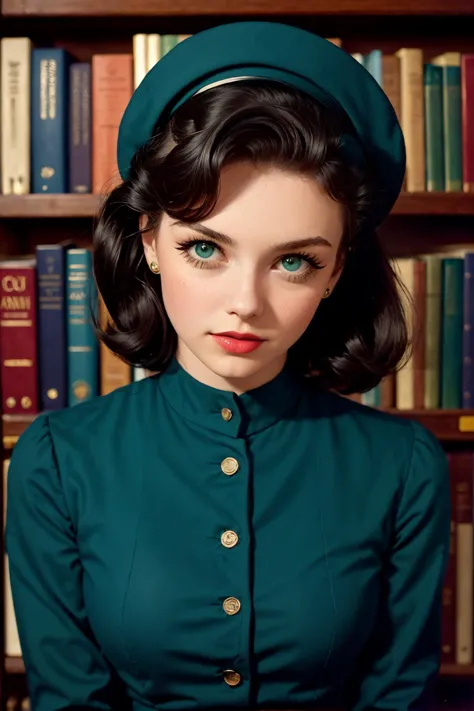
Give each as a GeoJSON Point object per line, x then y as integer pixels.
{"type": "Point", "coordinates": [225, 239]}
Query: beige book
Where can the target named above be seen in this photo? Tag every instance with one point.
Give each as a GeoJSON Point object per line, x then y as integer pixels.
{"type": "Point", "coordinates": [140, 63]}
{"type": "Point", "coordinates": [405, 392]}
{"type": "Point", "coordinates": [15, 59]}
{"type": "Point", "coordinates": [413, 116]}
{"type": "Point", "coordinates": [114, 372]}
{"type": "Point", "coordinates": [464, 653]}
{"type": "Point", "coordinates": [153, 50]}
{"type": "Point", "coordinates": [448, 59]}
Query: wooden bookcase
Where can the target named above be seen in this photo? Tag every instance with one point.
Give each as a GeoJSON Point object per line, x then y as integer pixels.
{"type": "Point", "coordinates": [419, 222]}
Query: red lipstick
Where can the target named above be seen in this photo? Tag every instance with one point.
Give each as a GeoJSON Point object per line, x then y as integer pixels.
{"type": "Point", "coordinates": [235, 342]}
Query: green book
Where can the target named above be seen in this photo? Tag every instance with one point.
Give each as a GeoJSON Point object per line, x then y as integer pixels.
{"type": "Point", "coordinates": [452, 112]}
{"type": "Point", "coordinates": [452, 294]}
{"type": "Point", "coordinates": [432, 332]}
{"type": "Point", "coordinates": [434, 138]}
{"type": "Point", "coordinates": [167, 43]}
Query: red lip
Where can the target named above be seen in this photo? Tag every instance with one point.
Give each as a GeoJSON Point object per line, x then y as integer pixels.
{"type": "Point", "coordinates": [240, 336]}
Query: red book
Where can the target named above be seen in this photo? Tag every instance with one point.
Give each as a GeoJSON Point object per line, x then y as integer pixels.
{"type": "Point", "coordinates": [18, 358]}
{"type": "Point", "coordinates": [467, 103]}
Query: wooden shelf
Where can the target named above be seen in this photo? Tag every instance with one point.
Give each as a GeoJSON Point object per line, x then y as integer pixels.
{"type": "Point", "coordinates": [12, 428]}
{"type": "Point", "coordinates": [72, 205]}
{"type": "Point", "coordinates": [446, 425]}
{"type": "Point", "coordinates": [37, 205]}
{"type": "Point", "coordinates": [91, 8]}
{"type": "Point", "coordinates": [434, 203]}
{"type": "Point", "coordinates": [15, 665]}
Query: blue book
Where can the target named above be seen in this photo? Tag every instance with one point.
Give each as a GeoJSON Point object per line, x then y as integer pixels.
{"type": "Point", "coordinates": [468, 333]}
{"type": "Point", "coordinates": [83, 346]}
{"type": "Point", "coordinates": [80, 128]}
{"type": "Point", "coordinates": [52, 344]}
{"type": "Point", "coordinates": [373, 64]}
{"type": "Point", "coordinates": [49, 120]}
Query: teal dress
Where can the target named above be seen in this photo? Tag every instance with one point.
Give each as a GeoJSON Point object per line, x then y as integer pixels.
{"type": "Point", "coordinates": [173, 546]}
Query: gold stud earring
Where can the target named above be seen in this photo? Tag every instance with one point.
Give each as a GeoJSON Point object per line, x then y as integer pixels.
{"type": "Point", "coordinates": [154, 268]}
{"type": "Point", "coordinates": [326, 293]}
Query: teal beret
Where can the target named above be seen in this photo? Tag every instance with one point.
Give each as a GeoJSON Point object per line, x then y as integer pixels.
{"type": "Point", "coordinates": [284, 53]}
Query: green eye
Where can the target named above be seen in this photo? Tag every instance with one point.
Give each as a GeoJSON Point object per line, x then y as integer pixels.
{"type": "Point", "coordinates": [292, 264]}
{"type": "Point", "coordinates": [204, 250]}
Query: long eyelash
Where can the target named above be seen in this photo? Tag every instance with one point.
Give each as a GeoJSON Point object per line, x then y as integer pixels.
{"type": "Point", "coordinates": [310, 258]}
{"type": "Point", "coordinates": [187, 244]}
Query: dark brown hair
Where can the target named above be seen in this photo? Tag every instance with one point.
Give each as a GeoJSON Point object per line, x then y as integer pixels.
{"type": "Point", "coordinates": [357, 336]}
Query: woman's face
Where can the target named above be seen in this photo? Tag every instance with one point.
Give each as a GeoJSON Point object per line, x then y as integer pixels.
{"type": "Point", "coordinates": [259, 265]}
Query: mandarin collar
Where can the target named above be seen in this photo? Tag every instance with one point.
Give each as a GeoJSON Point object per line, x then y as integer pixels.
{"type": "Point", "coordinates": [224, 411]}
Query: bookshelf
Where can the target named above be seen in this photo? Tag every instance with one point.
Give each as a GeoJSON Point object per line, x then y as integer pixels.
{"type": "Point", "coordinates": [153, 8]}
{"type": "Point", "coordinates": [419, 221]}
{"type": "Point", "coordinates": [72, 205]}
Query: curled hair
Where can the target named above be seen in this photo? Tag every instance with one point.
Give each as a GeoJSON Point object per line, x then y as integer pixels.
{"type": "Point", "coordinates": [357, 336]}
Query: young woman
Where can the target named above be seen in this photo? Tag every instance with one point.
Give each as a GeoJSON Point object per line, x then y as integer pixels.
{"type": "Point", "coordinates": [231, 532]}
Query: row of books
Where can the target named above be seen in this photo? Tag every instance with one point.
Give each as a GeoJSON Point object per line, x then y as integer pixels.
{"type": "Point", "coordinates": [60, 117]}
{"type": "Point", "coordinates": [434, 102]}
{"type": "Point", "coordinates": [439, 302]}
{"type": "Point", "coordinates": [50, 355]}
{"type": "Point", "coordinates": [458, 590]}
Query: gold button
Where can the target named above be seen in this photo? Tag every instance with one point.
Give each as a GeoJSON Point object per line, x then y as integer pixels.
{"type": "Point", "coordinates": [229, 466]}
{"type": "Point", "coordinates": [226, 414]}
{"type": "Point", "coordinates": [231, 605]}
{"type": "Point", "coordinates": [229, 539]}
{"type": "Point", "coordinates": [231, 677]}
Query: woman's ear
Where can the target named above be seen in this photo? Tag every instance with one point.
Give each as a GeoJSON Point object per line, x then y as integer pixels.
{"type": "Point", "coordinates": [148, 239]}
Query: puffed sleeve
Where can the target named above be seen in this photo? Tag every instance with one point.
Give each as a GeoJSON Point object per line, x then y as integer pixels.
{"type": "Point", "coordinates": [64, 665]}
{"type": "Point", "coordinates": [405, 653]}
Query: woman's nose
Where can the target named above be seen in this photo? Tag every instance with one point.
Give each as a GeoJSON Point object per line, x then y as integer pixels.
{"type": "Point", "coordinates": [246, 297]}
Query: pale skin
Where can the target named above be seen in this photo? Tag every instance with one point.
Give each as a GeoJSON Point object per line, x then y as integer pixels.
{"type": "Point", "coordinates": [247, 281]}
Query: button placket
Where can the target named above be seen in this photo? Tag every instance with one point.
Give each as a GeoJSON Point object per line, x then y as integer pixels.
{"type": "Point", "coordinates": [230, 466]}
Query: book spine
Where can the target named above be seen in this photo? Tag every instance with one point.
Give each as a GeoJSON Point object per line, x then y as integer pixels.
{"type": "Point", "coordinates": [452, 332]}
{"type": "Point", "coordinates": [452, 128]}
{"type": "Point", "coordinates": [15, 112]}
{"type": "Point", "coordinates": [83, 361]}
{"type": "Point", "coordinates": [432, 333]}
{"type": "Point", "coordinates": [49, 121]}
{"type": "Point", "coordinates": [114, 372]}
{"type": "Point", "coordinates": [467, 101]}
{"type": "Point", "coordinates": [140, 58]}
{"type": "Point", "coordinates": [80, 125]}
{"type": "Point", "coordinates": [405, 395]}
{"type": "Point", "coordinates": [153, 50]}
{"type": "Point", "coordinates": [18, 327]}
{"type": "Point", "coordinates": [434, 139]}
{"type": "Point", "coordinates": [52, 347]}
{"type": "Point", "coordinates": [373, 64]}
{"type": "Point", "coordinates": [413, 116]}
{"type": "Point", "coordinates": [167, 43]}
{"type": "Point", "coordinates": [468, 333]}
{"type": "Point", "coordinates": [448, 616]}
{"type": "Point", "coordinates": [112, 87]}
{"type": "Point", "coordinates": [419, 343]}
{"type": "Point", "coordinates": [462, 473]}
{"type": "Point", "coordinates": [391, 81]}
